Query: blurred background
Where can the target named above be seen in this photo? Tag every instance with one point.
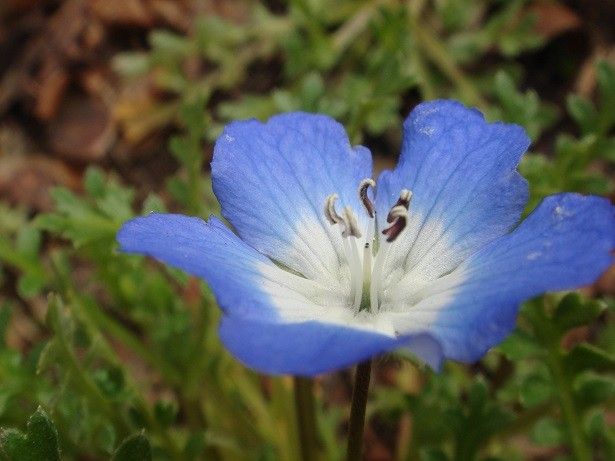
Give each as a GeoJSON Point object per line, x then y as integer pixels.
{"type": "Point", "coordinates": [109, 108]}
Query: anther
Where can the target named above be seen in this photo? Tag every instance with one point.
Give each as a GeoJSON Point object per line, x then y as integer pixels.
{"type": "Point", "coordinates": [351, 225]}
{"type": "Point", "coordinates": [330, 212]}
{"type": "Point", "coordinates": [399, 219]}
{"type": "Point", "coordinates": [404, 201]}
{"type": "Point", "coordinates": [367, 203]}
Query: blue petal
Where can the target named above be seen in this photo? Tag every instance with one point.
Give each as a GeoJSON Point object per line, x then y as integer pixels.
{"type": "Point", "coordinates": [310, 348]}
{"type": "Point", "coordinates": [565, 243]}
{"type": "Point", "coordinates": [208, 250]}
{"type": "Point", "coordinates": [272, 180]}
{"type": "Point", "coordinates": [466, 190]}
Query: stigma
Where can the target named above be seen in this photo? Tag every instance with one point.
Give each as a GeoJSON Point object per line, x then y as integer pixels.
{"type": "Point", "coordinates": [366, 269]}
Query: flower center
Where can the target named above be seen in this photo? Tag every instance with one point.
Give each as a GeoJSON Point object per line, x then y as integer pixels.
{"type": "Point", "coordinates": [366, 271]}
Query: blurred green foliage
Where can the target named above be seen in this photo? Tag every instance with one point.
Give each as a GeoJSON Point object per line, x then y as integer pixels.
{"type": "Point", "coordinates": [355, 62]}
{"type": "Point", "coordinates": [129, 366]}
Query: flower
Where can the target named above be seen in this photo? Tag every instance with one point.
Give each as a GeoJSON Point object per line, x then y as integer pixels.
{"type": "Point", "coordinates": [329, 267]}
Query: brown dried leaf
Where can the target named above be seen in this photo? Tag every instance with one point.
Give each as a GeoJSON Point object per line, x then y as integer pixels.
{"type": "Point", "coordinates": [139, 114]}
{"type": "Point", "coordinates": [123, 12]}
{"type": "Point", "coordinates": [606, 283]}
{"type": "Point", "coordinates": [53, 81]}
{"type": "Point", "coordinates": [83, 131]}
{"type": "Point", "coordinates": [553, 18]}
{"type": "Point", "coordinates": [26, 180]}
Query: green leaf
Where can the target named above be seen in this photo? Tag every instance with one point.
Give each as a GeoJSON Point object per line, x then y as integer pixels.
{"type": "Point", "coordinates": [40, 443]}
{"type": "Point", "coordinates": [89, 220]}
{"type": "Point", "coordinates": [178, 189]}
{"type": "Point", "coordinates": [6, 313]}
{"type": "Point", "coordinates": [433, 454]}
{"type": "Point", "coordinates": [484, 418]}
{"type": "Point", "coordinates": [30, 285]}
{"type": "Point", "coordinates": [94, 182]}
{"type": "Point", "coordinates": [135, 447]}
{"type": "Point", "coordinates": [131, 64]}
{"type": "Point", "coordinates": [165, 412]}
{"type": "Point", "coordinates": [548, 432]}
{"type": "Point", "coordinates": [592, 389]}
{"type": "Point", "coordinates": [520, 345]}
{"type": "Point", "coordinates": [606, 85]}
{"type": "Point", "coordinates": [523, 108]}
{"type": "Point", "coordinates": [47, 357]}
{"type": "Point", "coordinates": [601, 433]}
{"type": "Point", "coordinates": [586, 356]}
{"type": "Point", "coordinates": [153, 203]}
{"type": "Point", "coordinates": [536, 389]}
{"type": "Point", "coordinates": [170, 43]}
{"type": "Point", "coordinates": [573, 311]}
{"type": "Point", "coordinates": [110, 381]}
{"type": "Point", "coordinates": [583, 112]}
{"type": "Point", "coordinates": [181, 148]}
{"type": "Point", "coordinates": [28, 241]}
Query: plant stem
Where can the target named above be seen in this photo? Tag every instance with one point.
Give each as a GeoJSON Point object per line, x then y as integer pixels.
{"type": "Point", "coordinates": [352, 28]}
{"type": "Point", "coordinates": [356, 424]}
{"type": "Point", "coordinates": [306, 418]}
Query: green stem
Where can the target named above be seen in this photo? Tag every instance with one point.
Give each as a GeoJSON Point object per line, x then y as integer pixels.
{"type": "Point", "coordinates": [355, 26]}
{"type": "Point", "coordinates": [306, 418]}
{"type": "Point", "coordinates": [428, 92]}
{"type": "Point", "coordinates": [356, 424]}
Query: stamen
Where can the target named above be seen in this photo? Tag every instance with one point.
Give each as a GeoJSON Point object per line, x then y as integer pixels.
{"type": "Point", "coordinates": [351, 225]}
{"type": "Point", "coordinates": [399, 215]}
{"type": "Point", "coordinates": [350, 228]}
{"type": "Point", "coordinates": [330, 212]}
{"type": "Point", "coordinates": [398, 218]}
{"type": "Point", "coordinates": [404, 201]}
{"type": "Point", "coordinates": [367, 203]}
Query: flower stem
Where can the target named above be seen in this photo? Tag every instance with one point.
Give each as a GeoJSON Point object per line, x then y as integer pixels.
{"type": "Point", "coordinates": [356, 424]}
{"type": "Point", "coordinates": [306, 418]}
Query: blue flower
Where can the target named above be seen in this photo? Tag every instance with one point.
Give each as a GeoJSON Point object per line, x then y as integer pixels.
{"type": "Point", "coordinates": [328, 267]}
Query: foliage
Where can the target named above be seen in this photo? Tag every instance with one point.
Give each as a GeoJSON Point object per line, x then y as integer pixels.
{"type": "Point", "coordinates": [126, 363]}
{"type": "Point", "coordinates": [39, 443]}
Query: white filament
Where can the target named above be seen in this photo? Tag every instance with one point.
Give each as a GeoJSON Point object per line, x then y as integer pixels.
{"type": "Point", "coordinates": [374, 288]}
